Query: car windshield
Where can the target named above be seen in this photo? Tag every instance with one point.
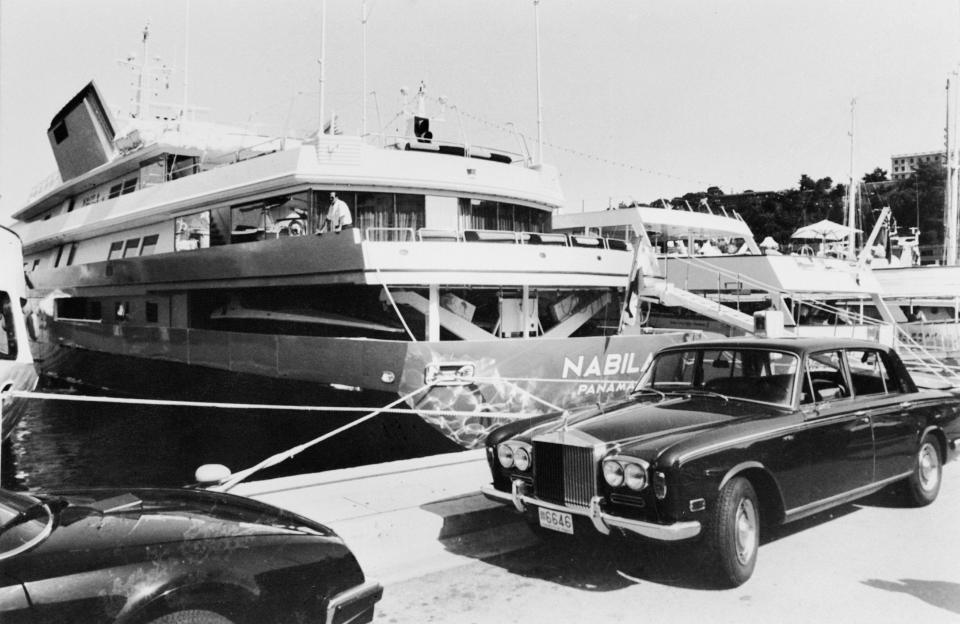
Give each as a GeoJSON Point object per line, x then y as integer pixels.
{"type": "Point", "coordinates": [752, 374]}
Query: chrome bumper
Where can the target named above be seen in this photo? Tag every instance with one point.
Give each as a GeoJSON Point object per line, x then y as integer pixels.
{"type": "Point", "coordinates": [350, 605]}
{"type": "Point", "coordinates": [602, 521]}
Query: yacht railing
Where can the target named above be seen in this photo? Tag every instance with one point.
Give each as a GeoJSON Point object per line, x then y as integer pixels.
{"type": "Point", "coordinates": [406, 142]}
{"type": "Point", "coordinates": [423, 235]}
{"type": "Point", "coordinates": [916, 354]}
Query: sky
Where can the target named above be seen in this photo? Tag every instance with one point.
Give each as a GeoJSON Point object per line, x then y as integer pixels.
{"type": "Point", "coordinates": [640, 99]}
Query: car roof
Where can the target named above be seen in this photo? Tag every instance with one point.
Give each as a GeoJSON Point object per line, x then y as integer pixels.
{"type": "Point", "coordinates": [791, 344]}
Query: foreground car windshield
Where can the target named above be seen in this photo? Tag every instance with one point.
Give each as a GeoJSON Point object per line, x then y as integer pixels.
{"type": "Point", "coordinates": [744, 373]}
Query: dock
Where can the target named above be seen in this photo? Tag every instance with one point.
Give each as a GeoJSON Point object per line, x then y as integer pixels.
{"type": "Point", "coordinates": [431, 505]}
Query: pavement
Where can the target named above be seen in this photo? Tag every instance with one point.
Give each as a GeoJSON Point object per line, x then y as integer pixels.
{"type": "Point", "coordinates": [405, 518]}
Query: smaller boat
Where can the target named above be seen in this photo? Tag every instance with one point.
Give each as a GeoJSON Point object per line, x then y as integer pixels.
{"type": "Point", "coordinates": [17, 371]}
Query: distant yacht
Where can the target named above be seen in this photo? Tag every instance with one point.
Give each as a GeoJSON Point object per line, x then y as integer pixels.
{"type": "Point", "coordinates": [16, 362]}
{"type": "Point", "coordinates": [712, 276]}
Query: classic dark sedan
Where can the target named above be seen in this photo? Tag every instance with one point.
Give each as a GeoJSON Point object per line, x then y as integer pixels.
{"type": "Point", "coordinates": [172, 556]}
{"type": "Point", "coordinates": [723, 437]}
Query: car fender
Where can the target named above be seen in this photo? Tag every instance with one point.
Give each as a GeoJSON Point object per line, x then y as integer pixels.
{"type": "Point", "coordinates": [764, 484]}
{"type": "Point", "coordinates": [223, 595]}
{"type": "Point", "coordinates": [941, 440]}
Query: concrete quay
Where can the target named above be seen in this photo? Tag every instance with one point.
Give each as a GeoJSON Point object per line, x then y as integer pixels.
{"type": "Point", "coordinates": [404, 518]}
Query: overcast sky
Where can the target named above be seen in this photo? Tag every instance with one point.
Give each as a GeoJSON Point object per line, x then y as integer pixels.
{"type": "Point", "coordinates": [641, 98]}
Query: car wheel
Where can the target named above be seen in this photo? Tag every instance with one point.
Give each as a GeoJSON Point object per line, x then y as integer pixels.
{"type": "Point", "coordinates": [192, 616]}
{"type": "Point", "coordinates": [924, 483]}
{"type": "Point", "coordinates": [733, 533]}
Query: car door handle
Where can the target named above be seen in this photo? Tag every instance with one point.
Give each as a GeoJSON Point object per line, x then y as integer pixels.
{"type": "Point", "coordinates": [906, 404]}
{"type": "Point", "coordinates": [789, 437]}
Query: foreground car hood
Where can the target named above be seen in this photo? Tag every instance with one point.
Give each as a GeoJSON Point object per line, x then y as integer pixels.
{"type": "Point", "coordinates": [635, 423]}
{"type": "Point", "coordinates": [89, 520]}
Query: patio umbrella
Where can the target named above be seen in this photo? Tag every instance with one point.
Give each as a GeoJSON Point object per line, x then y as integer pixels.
{"type": "Point", "coordinates": [823, 230]}
{"type": "Point", "coordinates": [769, 243]}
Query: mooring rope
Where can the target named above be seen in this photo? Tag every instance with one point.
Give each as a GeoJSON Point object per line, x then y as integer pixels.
{"type": "Point", "coordinates": [79, 398]}
{"type": "Point", "coordinates": [282, 456]}
{"type": "Point", "coordinates": [394, 304]}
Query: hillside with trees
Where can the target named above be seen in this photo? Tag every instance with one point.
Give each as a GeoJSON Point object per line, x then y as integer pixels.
{"type": "Point", "coordinates": [916, 201]}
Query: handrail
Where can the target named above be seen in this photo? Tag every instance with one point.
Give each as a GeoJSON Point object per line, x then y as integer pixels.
{"type": "Point", "coordinates": [410, 234]}
{"type": "Point", "coordinates": [473, 235]}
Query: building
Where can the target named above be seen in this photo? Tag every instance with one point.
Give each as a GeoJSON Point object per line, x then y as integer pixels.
{"type": "Point", "coordinates": [902, 166]}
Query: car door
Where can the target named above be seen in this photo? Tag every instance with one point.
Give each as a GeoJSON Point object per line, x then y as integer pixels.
{"type": "Point", "coordinates": [880, 393]}
{"type": "Point", "coordinates": [14, 604]}
{"type": "Point", "coordinates": [835, 439]}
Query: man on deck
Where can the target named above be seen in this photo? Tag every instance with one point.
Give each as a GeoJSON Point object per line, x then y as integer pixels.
{"type": "Point", "coordinates": [338, 216]}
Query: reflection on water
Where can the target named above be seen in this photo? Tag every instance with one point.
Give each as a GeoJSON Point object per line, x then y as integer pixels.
{"type": "Point", "coordinates": [65, 444]}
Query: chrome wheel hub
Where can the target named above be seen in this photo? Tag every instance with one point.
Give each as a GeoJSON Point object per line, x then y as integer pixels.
{"type": "Point", "coordinates": [929, 467]}
{"type": "Point", "coordinates": [746, 531]}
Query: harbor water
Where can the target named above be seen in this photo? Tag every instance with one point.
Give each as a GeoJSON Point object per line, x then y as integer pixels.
{"type": "Point", "coordinates": [61, 444]}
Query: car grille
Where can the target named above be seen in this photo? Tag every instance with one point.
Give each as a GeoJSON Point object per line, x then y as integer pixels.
{"type": "Point", "coordinates": [564, 474]}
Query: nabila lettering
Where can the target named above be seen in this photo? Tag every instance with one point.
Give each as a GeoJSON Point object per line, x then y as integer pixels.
{"type": "Point", "coordinates": [611, 364]}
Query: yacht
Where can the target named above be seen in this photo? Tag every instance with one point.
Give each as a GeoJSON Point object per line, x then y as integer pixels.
{"type": "Point", "coordinates": [171, 258]}
{"type": "Point", "coordinates": [712, 276]}
{"type": "Point", "coordinates": [927, 295]}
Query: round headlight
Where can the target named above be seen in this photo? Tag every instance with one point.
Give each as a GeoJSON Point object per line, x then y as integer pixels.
{"type": "Point", "coordinates": [521, 458]}
{"type": "Point", "coordinates": [635, 476]}
{"type": "Point", "coordinates": [505, 456]}
{"type": "Point", "coordinates": [613, 473]}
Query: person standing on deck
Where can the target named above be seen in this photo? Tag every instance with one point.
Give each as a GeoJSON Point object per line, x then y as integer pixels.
{"type": "Point", "coordinates": [338, 216]}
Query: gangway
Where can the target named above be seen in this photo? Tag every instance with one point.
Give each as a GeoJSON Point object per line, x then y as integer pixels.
{"type": "Point", "coordinates": [673, 296]}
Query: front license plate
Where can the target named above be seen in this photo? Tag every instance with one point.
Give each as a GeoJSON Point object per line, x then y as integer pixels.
{"type": "Point", "coordinates": [556, 520]}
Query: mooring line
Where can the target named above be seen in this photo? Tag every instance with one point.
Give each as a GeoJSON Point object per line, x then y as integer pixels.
{"type": "Point", "coordinates": [279, 457]}
{"type": "Point", "coordinates": [50, 396]}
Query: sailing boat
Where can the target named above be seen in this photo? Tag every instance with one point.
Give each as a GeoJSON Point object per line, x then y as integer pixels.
{"type": "Point", "coordinates": [928, 296]}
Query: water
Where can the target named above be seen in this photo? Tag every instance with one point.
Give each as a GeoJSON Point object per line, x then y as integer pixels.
{"type": "Point", "coordinates": [68, 444]}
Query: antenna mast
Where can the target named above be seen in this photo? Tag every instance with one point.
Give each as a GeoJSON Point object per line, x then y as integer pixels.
{"type": "Point", "coordinates": [323, 54]}
{"type": "Point", "coordinates": [186, 62]}
{"type": "Point", "coordinates": [142, 105]}
{"type": "Point", "coordinates": [536, 15]}
{"type": "Point", "coordinates": [364, 14]}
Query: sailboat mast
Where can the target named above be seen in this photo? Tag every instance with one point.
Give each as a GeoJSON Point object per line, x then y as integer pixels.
{"type": "Point", "coordinates": [852, 195]}
{"type": "Point", "coordinates": [948, 182]}
{"type": "Point", "coordinates": [950, 208]}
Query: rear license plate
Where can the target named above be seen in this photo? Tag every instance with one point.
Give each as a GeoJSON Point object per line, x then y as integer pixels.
{"type": "Point", "coordinates": [556, 520]}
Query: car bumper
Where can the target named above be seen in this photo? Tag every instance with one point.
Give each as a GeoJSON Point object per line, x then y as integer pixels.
{"type": "Point", "coordinates": [602, 520]}
{"type": "Point", "coordinates": [354, 605]}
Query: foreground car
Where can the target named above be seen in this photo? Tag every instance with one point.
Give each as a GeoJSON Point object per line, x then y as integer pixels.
{"type": "Point", "coordinates": [721, 436]}
{"type": "Point", "coordinates": [172, 556]}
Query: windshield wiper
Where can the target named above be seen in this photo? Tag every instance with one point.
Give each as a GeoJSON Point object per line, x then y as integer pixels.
{"type": "Point", "coordinates": [702, 392]}
{"type": "Point", "coordinates": [661, 394]}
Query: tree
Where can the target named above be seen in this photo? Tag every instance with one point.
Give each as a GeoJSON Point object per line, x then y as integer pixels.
{"type": "Point", "coordinates": [916, 201]}
{"type": "Point", "coordinates": [877, 175]}
{"type": "Point", "coordinates": [807, 183]}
